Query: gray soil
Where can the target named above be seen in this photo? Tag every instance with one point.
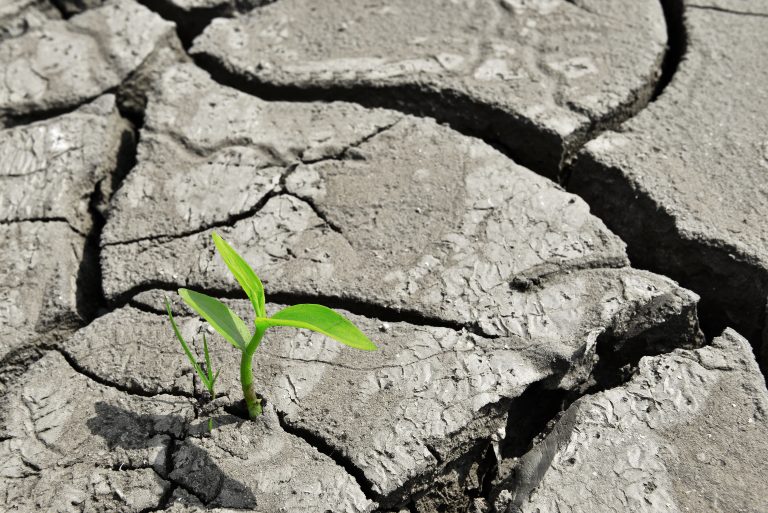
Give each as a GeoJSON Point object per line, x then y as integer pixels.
{"type": "Point", "coordinates": [684, 184]}
{"type": "Point", "coordinates": [395, 162]}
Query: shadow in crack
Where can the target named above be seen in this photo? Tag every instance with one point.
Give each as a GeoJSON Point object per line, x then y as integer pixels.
{"type": "Point", "coordinates": [187, 464]}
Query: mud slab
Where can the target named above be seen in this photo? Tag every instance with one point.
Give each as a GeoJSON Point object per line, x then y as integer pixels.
{"type": "Point", "coordinates": [507, 315]}
{"type": "Point", "coordinates": [684, 182]}
{"type": "Point", "coordinates": [71, 444]}
{"type": "Point", "coordinates": [38, 291]}
{"type": "Point", "coordinates": [429, 399]}
{"type": "Point", "coordinates": [490, 278]}
{"type": "Point", "coordinates": [49, 170]}
{"type": "Point", "coordinates": [87, 446]}
{"type": "Point", "coordinates": [55, 175]}
{"type": "Point", "coordinates": [535, 77]}
{"type": "Point", "coordinates": [62, 64]}
{"type": "Point", "coordinates": [687, 433]}
{"type": "Point", "coordinates": [335, 201]}
{"type": "Point", "coordinates": [18, 16]}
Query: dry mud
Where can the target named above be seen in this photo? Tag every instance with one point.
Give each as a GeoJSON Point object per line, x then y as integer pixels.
{"type": "Point", "coordinates": [499, 193]}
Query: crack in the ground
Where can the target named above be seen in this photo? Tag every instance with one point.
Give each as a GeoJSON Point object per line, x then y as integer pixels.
{"type": "Point", "coordinates": [44, 219]}
{"type": "Point", "coordinates": [451, 106]}
{"type": "Point", "coordinates": [15, 120]}
{"type": "Point", "coordinates": [727, 11]}
{"type": "Point", "coordinates": [120, 91]}
{"type": "Point", "coordinates": [534, 414]}
{"type": "Point", "coordinates": [677, 44]}
{"type": "Point", "coordinates": [90, 293]}
{"type": "Point", "coordinates": [357, 306]}
{"type": "Point", "coordinates": [671, 59]}
{"type": "Point", "coordinates": [278, 190]}
{"type": "Point", "coordinates": [229, 221]}
{"type": "Point", "coordinates": [700, 265]}
{"type": "Point", "coordinates": [190, 23]}
{"type": "Point", "coordinates": [323, 447]}
{"type": "Point", "coordinates": [57, 4]}
{"type": "Point", "coordinates": [135, 390]}
{"type": "Point", "coordinates": [345, 153]}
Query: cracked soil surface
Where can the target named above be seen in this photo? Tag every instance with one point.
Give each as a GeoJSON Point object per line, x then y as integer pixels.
{"type": "Point", "coordinates": [500, 193]}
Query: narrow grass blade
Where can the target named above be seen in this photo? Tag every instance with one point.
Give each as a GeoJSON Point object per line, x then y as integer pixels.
{"type": "Point", "coordinates": [187, 351]}
{"type": "Point", "coordinates": [208, 367]}
{"type": "Point", "coordinates": [322, 320]}
{"type": "Point", "coordinates": [243, 273]}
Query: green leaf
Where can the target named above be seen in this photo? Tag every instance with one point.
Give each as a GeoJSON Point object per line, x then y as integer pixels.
{"type": "Point", "coordinates": [187, 351]}
{"type": "Point", "coordinates": [243, 273]}
{"type": "Point", "coordinates": [322, 320]}
{"type": "Point", "coordinates": [218, 315]}
{"type": "Point", "coordinates": [208, 366]}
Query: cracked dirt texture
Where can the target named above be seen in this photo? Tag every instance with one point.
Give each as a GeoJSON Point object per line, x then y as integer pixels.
{"type": "Point", "coordinates": [49, 169]}
{"type": "Point", "coordinates": [684, 182]}
{"type": "Point", "coordinates": [53, 173]}
{"type": "Point", "coordinates": [70, 444]}
{"type": "Point", "coordinates": [38, 294]}
{"type": "Point", "coordinates": [507, 315]}
{"type": "Point", "coordinates": [60, 64]}
{"type": "Point", "coordinates": [18, 16]}
{"type": "Point", "coordinates": [687, 433]}
{"type": "Point", "coordinates": [485, 65]}
{"type": "Point", "coordinates": [458, 223]}
{"type": "Point", "coordinates": [445, 390]}
{"type": "Point", "coordinates": [90, 447]}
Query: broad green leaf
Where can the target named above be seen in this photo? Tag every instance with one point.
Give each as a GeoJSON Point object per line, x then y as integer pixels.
{"type": "Point", "coordinates": [322, 320]}
{"type": "Point", "coordinates": [218, 315]}
{"type": "Point", "coordinates": [205, 379]}
{"type": "Point", "coordinates": [243, 273]}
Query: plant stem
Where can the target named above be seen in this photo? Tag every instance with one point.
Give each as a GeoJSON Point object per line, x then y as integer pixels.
{"type": "Point", "coordinates": [252, 399]}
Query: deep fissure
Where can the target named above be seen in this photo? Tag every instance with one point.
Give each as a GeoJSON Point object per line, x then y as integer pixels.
{"type": "Point", "coordinates": [536, 395]}
{"type": "Point", "coordinates": [327, 449]}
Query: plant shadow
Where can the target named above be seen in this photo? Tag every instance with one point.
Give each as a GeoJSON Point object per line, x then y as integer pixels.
{"type": "Point", "coordinates": [186, 465]}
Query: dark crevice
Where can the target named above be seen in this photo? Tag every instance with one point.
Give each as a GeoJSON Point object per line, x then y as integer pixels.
{"type": "Point", "coordinates": [728, 11]}
{"type": "Point", "coordinates": [514, 135]}
{"type": "Point", "coordinates": [454, 486]}
{"type": "Point", "coordinates": [529, 416]}
{"type": "Point", "coordinates": [349, 303]}
{"type": "Point", "coordinates": [229, 221]}
{"type": "Point", "coordinates": [191, 23]}
{"type": "Point", "coordinates": [90, 297]}
{"type": "Point", "coordinates": [14, 120]}
{"type": "Point", "coordinates": [673, 55]}
{"type": "Point", "coordinates": [130, 390]}
{"type": "Point", "coordinates": [535, 413]}
{"type": "Point", "coordinates": [677, 43]}
{"type": "Point", "coordinates": [166, 500]}
{"type": "Point", "coordinates": [337, 456]}
{"type": "Point", "coordinates": [59, 6]}
{"type": "Point", "coordinates": [732, 286]}
{"type": "Point", "coordinates": [52, 219]}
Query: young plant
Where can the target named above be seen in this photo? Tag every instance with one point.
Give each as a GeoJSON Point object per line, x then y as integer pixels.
{"type": "Point", "coordinates": [208, 377]}
{"type": "Point", "coordinates": [317, 318]}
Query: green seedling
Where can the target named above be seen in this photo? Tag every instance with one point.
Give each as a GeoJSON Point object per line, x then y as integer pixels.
{"type": "Point", "coordinates": [208, 378]}
{"type": "Point", "coordinates": [313, 317]}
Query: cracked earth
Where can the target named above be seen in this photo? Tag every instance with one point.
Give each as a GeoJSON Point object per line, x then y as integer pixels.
{"type": "Point", "coordinates": [548, 215]}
